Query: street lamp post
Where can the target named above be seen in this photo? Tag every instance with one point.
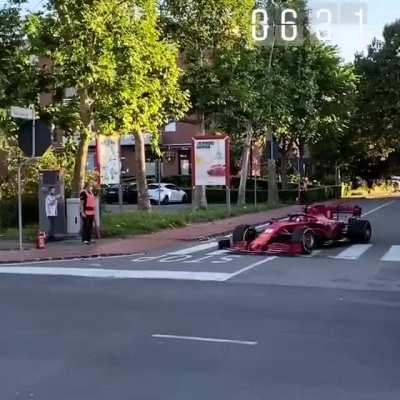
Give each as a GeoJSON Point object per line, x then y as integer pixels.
{"type": "Point", "coordinates": [19, 177]}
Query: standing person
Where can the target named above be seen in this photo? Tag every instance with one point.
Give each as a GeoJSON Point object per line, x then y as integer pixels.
{"type": "Point", "coordinates": [51, 206]}
{"type": "Point", "coordinates": [88, 212]}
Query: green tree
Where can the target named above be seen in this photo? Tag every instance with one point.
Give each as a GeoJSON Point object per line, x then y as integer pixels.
{"type": "Point", "coordinates": [204, 29]}
{"type": "Point", "coordinates": [142, 92]}
{"type": "Point", "coordinates": [320, 95]}
{"type": "Point", "coordinates": [18, 86]}
{"type": "Point", "coordinates": [376, 122]}
{"type": "Point", "coordinates": [126, 78]}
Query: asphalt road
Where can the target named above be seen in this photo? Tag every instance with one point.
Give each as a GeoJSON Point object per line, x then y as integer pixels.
{"type": "Point", "coordinates": [197, 323]}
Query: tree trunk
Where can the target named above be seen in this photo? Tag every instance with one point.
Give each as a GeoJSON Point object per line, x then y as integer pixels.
{"type": "Point", "coordinates": [199, 192]}
{"type": "Point", "coordinates": [273, 193]}
{"type": "Point", "coordinates": [285, 151]}
{"type": "Point", "coordinates": [301, 160]}
{"type": "Point", "coordinates": [245, 166]}
{"type": "Point", "coordinates": [81, 162]}
{"type": "Point", "coordinates": [338, 175]}
{"type": "Point", "coordinates": [143, 201]}
{"type": "Point", "coordinates": [284, 170]}
{"type": "Point", "coordinates": [85, 112]}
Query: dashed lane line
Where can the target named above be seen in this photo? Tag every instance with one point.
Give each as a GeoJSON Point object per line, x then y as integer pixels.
{"type": "Point", "coordinates": [205, 339]}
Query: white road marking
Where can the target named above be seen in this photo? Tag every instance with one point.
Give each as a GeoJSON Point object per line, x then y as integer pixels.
{"type": "Point", "coordinates": [262, 227]}
{"type": "Point", "coordinates": [379, 208]}
{"type": "Point", "coordinates": [204, 339]}
{"type": "Point", "coordinates": [198, 260]}
{"type": "Point", "coordinates": [393, 254]}
{"type": "Point", "coordinates": [218, 253]}
{"type": "Point", "coordinates": [118, 274]}
{"type": "Point", "coordinates": [80, 259]}
{"type": "Point", "coordinates": [256, 264]}
{"type": "Point", "coordinates": [147, 258]}
{"type": "Point", "coordinates": [353, 252]}
{"type": "Point", "coordinates": [174, 259]}
{"type": "Point", "coordinates": [194, 249]}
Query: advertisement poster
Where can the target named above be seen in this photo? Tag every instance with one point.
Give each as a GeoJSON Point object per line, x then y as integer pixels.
{"type": "Point", "coordinates": [108, 156]}
{"type": "Point", "coordinates": [211, 161]}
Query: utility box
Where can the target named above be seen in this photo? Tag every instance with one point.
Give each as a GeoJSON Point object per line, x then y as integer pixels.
{"type": "Point", "coordinates": [55, 179]}
{"type": "Point", "coordinates": [74, 221]}
{"type": "Point", "coordinates": [73, 217]}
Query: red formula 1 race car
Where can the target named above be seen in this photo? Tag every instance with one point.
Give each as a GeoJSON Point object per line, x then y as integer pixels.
{"type": "Point", "coordinates": [299, 234]}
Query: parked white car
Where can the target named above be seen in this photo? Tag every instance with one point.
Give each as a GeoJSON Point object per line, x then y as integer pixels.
{"type": "Point", "coordinates": [166, 193]}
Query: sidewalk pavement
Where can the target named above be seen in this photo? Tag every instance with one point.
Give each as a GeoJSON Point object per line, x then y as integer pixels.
{"type": "Point", "coordinates": [143, 243]}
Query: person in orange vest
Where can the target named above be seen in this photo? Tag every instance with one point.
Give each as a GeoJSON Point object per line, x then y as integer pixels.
{"type": "Point", "coordinates": [88, 212]}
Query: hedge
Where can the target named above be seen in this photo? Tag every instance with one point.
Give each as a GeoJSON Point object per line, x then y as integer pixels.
{"type": "Point", "coordinates": [323, 193]}
{"type": "Point", "coordinates": [9, 211]}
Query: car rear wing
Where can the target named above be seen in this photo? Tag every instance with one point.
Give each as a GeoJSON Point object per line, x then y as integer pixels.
{"type": "Point", "coordinates": [335, 210]}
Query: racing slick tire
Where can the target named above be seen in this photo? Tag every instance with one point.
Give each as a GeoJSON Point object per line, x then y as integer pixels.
{"type": "Point", "coordinates": [359, 231]}
{"type": "Point", "coordinates": [244, 233]}
{"type": "Point", "coordinates": [224, 244]}
{"type": "Point", "coordinates": [305, 237]}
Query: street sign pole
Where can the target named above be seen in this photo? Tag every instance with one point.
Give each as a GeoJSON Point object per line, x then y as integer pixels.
{"type": "Point", "coordinates": [37, 149]}
{"type": "Point", "coordinates": [33, 132]}
{"type": "Point", "coordinates": [20, 208]}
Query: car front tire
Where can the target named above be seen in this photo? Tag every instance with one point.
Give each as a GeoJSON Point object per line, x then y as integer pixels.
{"type": "Point", "coordinates": [359, 231]}
{"type": "Point", "coordinates": [305, 237]}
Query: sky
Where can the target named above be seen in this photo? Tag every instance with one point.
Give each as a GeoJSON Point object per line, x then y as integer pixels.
{"type": "Point", "coordinates": [347, 36]}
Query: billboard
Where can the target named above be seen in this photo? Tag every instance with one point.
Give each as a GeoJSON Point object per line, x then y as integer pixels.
{"type": "Point", "coordinates": [108, 158]}
{"type": "Point", "coordinates": [211, 161]}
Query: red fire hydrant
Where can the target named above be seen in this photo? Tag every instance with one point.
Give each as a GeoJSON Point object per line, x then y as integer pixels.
{"type": "Point", "coordinates": [41, 240]}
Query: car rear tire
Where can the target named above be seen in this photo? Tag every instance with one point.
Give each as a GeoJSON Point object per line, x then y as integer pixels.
{"type": "Point", "coordinates": [244, 233]}
{"type": "Point", "coordinates": [185, 199]}
{"type": "Point", "coordinates": [305, 237]}
{"type": "Point", "coordinates": [359, 231]}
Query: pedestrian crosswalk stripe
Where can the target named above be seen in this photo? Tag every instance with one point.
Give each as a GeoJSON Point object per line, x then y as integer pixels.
{"type": "Point", "coordinates": [353, 252]}
{"type": "Point", "coordinates": [195, 249]}
{"type": "Point", "coordinates": [392, 255]}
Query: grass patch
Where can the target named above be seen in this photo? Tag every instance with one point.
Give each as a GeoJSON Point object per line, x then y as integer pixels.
{"type": "Point", "coordinates": [135, 223]}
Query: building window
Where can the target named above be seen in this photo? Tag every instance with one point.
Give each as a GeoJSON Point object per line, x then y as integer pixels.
{"type": "Point", "coordinates": [171, 128]}
{"type": "Point", "coordinates": [184, 162]}
{"type": "Point", "coordinates": [91, 162]}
